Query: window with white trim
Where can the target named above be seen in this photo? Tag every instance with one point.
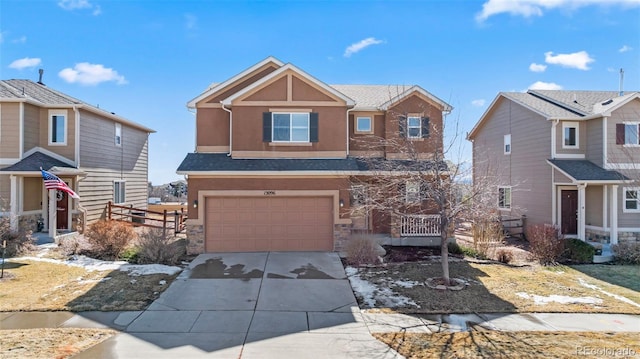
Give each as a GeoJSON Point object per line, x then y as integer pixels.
{"type": "Point", "coordinates": [504, 197]}
{"type": "Point", "coordinates": [631, 200]}
{"type": "Point", "coordinates": [570, 135]}
{"type": "Point", "coordinates": [57, 135]}
{"type": "Point", "coordinates": [290, 127]}
{"type": "Point", "coordinates": [412, 191]}
{"type": "Point", "coordinates": [119, 191]}
{"type": "Point", "coordinates": [632, 134]}
{"type": "Point", "coordinates": [507, 144]}
{"type": "Point", "coordinates": [118, 136]}
{"type": "Point", "coordinates": [414, 127]}
{"type": "Point", "coordinates": [364, 124]}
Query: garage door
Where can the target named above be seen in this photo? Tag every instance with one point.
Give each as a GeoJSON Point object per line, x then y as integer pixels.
{"type": "Point", "coordinates": [251, 224]}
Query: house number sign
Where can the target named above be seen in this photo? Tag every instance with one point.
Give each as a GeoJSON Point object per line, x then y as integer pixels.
{"type": "Point", "coordinates": [269, 193]}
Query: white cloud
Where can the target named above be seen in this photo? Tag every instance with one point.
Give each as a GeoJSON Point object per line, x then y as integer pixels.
{"type": "Point", "coordinates": [478, 102]}
{"type": "Point", "coordinates": [191, 21]}
{"type": "Point", "coordinates": [71, 5]}
{"type": "Point", "coordinates": [359, 46]}
{"type": "Point", "coordinates": [625, 48]}
{"type": "Point", "coordinates": [539, 85]}
{"type": "Point", "coordinates": [577, 60]}
{"type": "Point", "coordinates": [537, 67]}
{"type": "Point", "coordinates": [25, 63]}
{"type": "Point", "coordinates": [529, 8]}
{"type": "Point", "coordinates": [20, 40]}
{"type": "Point", "coordinates": [85, 73]}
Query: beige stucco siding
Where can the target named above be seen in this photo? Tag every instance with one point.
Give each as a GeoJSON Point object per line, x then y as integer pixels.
{"type": "Point", "coordinates": [32, 128]}
{"type": "Point", "coordinates": [366, 142]}
{"type": "Point", "coordinates": [10, 130]}
{"type": "Point", "coordinates": [593, 197]}
{"type": "Point", "coordinates": [525, 169]}
{"type": "Point", "coordinates": [212, 127]}
{"type": "Point", "coordinates": [594, 150]}
{"type": "Point", "coordinates": [105, 162]}
{"type": "Point", "coordinates": [618, 153]}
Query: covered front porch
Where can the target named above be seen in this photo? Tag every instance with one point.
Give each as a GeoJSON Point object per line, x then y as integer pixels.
{"type": "Point", "coordinates": [587, 201]}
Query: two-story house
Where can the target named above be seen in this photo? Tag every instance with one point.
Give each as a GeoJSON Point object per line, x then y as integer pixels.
{"type": "Point", "coordinates": [568, 158]}
{"type": "Point", "coordinates": [101, 156]}
{"type": "Point", "coordinates": [275, 152]}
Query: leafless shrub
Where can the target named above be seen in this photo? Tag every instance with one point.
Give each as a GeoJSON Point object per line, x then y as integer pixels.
{"type": "Point", "coordinates": [74, 245]}
{"type": "Point", "coordinates": [154, 247]}
{"type": "Point", "coordinates": [504, 256]}
{"type": "Point", "coordinates": [18, 242]}
{"type": "Point", "coordinates": [361, 249]}
{"type": "Point", "coordinates": [546, 243]}
{"type": "Point", "coordinates": [488, 233]}
{"type": "Point", "coordinates": [107, 239]}
{"type": "Point", "coordinates": [627, 252]}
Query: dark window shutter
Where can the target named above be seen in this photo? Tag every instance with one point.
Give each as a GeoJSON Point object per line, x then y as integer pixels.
{"type": "Point", "coordinates": [425, 127]}
{"type": "Point", "coordinates": [402, 124]}
{"type": "Point", "coordinates": [266, 127]}
{"type": "Point", "coordinates": [402, 190]}
{"type": "Point", "coordinates": [619, 133]}
{"type": "Point", "coordinates": [313, 127]}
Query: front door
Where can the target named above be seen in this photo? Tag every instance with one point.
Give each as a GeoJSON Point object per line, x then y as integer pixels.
{"type": "Point", "coordinates": [569, 211]}
{"type": "Point", "coordinates": [62, 210]}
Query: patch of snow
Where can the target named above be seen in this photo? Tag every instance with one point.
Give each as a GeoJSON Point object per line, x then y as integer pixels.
{"type": "Point", "coordinates": [542, 300]}
{"type": "Point", "coordinates": [618, 297]}
{"type": "Point", "coordinates": [371, 293]}
{"type": "Point", "coordinates": [162, 282]}
{"type": "Point", "coordinates": [405, 283]}
{"type": "Point", "coordinates": [91, 264]}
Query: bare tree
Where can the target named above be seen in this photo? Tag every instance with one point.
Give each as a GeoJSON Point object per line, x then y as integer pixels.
{"type": "Point", "coordinates": [410, 181]}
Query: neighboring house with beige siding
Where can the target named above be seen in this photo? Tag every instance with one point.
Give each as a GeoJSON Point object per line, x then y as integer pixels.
{"type": "Point", "coordinates": [276, 150]}
{"type": "Point", "coordinates": [568, 158]}
{"type": "Point", "coordinates": [101, 156]}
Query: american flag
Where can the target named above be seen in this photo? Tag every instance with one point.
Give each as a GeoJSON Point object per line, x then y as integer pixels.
{"type": "Point", "coordinates": [52, 181]}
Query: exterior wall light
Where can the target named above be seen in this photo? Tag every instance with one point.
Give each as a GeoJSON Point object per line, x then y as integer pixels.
{"type": "Point", "coordinates": [341, 203]}
{"type": "Point", "coordinates": [195, 203]}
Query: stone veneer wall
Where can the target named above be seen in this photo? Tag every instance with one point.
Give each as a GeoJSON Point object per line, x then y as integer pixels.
{"type": "Point", "coordinates": [29, 222]}
{"type": "Point", "coordinates": [341, 234]}
{"type": "Point", "coordinates": [628, 237]}
{"type": "Point", "coordinates": [594, 235]}
{"type": "Point", "coordinates": [195, 238]}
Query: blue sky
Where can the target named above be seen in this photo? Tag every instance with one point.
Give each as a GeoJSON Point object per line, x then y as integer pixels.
{"type": "Point", "coordinates": [145, 59]}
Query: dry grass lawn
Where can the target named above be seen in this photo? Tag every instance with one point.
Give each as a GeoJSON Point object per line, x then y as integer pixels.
{"type": "Point", "coordinates": [493, 344]}
{"type": "Point", "coordinates": [494, 287]}
{"type": "Point", "coordinates": [42, 286]}
{"type": "Point", "coordinates": [52, 343]}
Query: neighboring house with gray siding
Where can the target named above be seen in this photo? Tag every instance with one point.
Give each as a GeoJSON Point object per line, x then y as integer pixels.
{"type": "Point", "coordinates": [568, 158]}
{"type": "Point", "coordinates": [101, 156]}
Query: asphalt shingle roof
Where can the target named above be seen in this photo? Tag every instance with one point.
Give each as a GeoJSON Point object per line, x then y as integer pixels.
{"type": "Point", "coordinates": [216, 162]}
{"type": "Point", "coordinates": [371, 96]}
{"type": "Point", "coordinates": [583, 170]}
{"type": "Point", "coordinates": [34, 161]}
{"type": "Point", "coordinates": [29, 89]}
{"type": "Point", "coordinates": [581, 101]}
{"type": "Point", "coordinates": [545, 107]}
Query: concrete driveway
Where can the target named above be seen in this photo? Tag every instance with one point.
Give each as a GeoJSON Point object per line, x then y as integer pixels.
{"type": "Point", "coordinates": [250, 305]}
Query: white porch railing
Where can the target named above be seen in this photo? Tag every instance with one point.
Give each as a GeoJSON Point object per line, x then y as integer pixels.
{"type": "Point", "coordinates": [419, 225]}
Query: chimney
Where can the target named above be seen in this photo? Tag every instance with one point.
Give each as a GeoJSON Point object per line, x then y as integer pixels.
{"type": "Point", "coordinates": [41, 72]}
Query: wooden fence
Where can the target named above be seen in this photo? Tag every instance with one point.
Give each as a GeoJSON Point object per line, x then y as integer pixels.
{"type": "Point", "coordinates": [142, 217]}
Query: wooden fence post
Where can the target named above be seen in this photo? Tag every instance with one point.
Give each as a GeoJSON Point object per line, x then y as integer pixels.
{"type": "Point", "coordinates": [109, 210]}
{"type": "Point", "coordinates": [164, 224]}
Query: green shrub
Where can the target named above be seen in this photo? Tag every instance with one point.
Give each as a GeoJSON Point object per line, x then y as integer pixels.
{"type": "Point", "coordinates": [130, 255]}
{"type": "Point", "coordinates": [472, 252]}
{"type": "Point", "coordinates": [108, 239]}
{"type": "Point", "coordinates": [361, 249]}
{"type": "Point", "coordinates": [155, 247]}
{"type": "Point", "coordinates": [578, 251]}
{"type": "Point", "coordinates": [627, 252]}
{"type": "Point", "coordinates": [546, 243]}
{"type": "Point", "coordinates": [454, 248]}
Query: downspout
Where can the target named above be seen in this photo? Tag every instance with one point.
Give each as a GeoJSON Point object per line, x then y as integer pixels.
{"type": "Point", "coordinates": [553, 137]}
{"type": "Point", "coordinates": [230, 128]}
{"type": "Point", "coordinates": [80, 207]}
{"type": "Point", "coordinates": [348, 138]}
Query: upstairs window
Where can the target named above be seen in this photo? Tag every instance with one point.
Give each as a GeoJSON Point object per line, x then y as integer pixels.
{"type": "Point", "coordinates": [364, 125]}
{"type": "Point", "coordinates": [412, 191]}
{"type": "Point", "coordinates": [118, 137]}
{"type": "Point", "coordinates": [632, 199]}
{"type": "Point", "coordinates": [628, 134]}
{"type": "Point", "coordinates": [504, 198]}
{"type": "Point", "coordinates": [507, 144]}
{"type": "Point", "coordinates": [414, 127]}
{"type": "Point", "coordinates": [570, 135]}
{"type": "Point", "coordinates": [119, 192]}
{"type": "Point", "coordinates": [57, 128]}
{"type": "Point", "coordinates": [296, 127]}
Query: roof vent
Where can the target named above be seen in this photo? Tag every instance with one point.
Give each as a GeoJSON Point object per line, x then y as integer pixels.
{"type": "Point", "coordinates": [40, 72]}
{"type": "Point", "coordinates": [575, 98]}
{"type": "Point", "coordinates": [607, 102]}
